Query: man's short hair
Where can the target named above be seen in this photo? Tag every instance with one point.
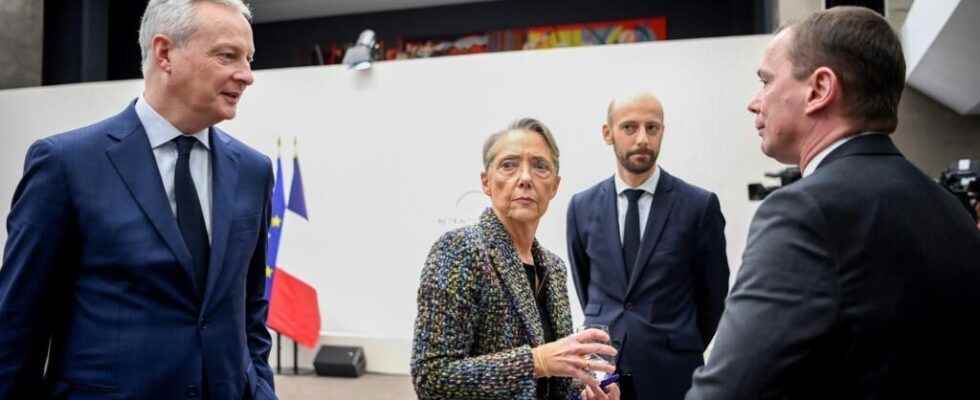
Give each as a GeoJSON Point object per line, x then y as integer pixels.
{"type": "Point", "coordinates": [523, 124]}
{"type": "Point", "coordinates": [175, 19]}
{"type": "Point", "coordinates": [863, 50]}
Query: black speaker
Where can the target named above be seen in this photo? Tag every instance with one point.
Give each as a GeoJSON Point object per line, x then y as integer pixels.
{"type": "Point", "coordinates": [346, 361]}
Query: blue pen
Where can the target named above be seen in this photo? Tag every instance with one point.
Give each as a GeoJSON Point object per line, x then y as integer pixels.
{"type": "Point", "coordinates": [609, 380]}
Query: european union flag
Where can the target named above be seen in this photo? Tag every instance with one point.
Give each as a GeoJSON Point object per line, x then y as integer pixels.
{"type": "Point", "coordinates": [275, 227]}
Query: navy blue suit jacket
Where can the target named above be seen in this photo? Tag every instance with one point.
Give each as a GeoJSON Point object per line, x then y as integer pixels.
{"type": "Point", "coordinates": [97, 282]}
{"type": "Point", "coordinates": [668, 309]}
{"type": "Point", "coordinates": [857, 282]}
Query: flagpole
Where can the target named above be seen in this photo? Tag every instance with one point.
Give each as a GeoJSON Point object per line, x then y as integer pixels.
{"type": "Point", "coordinates": [279, 335]}
{"type": "Point", "coordinates": [278, 353]}
{"type": "Point", "coordinates": [295, 346]}
{"type": "Point", "coordinates": [295, 358]}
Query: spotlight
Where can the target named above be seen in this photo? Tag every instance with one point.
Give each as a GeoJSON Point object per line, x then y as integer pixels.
{"type": "Point", "coordinates": [361, 54]}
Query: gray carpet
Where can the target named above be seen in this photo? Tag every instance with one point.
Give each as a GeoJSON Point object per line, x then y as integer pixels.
{"type": "Point", "coordinates": [367, 387]}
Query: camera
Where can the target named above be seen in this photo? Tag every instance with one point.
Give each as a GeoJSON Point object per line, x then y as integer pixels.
{"type": "Point", "coordinates": [758, 191]}
{"type": "Point", "coordinates": [962, 179]}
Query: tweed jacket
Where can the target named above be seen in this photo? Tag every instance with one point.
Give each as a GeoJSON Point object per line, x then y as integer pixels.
{"type": "Point", "coordinates": [478, 320]}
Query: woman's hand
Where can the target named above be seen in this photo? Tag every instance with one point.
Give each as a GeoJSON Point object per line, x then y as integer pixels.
{"type": "Point", "coordinates": [595, 393]}
{"type": "Point", "coordinates": [565, 357]}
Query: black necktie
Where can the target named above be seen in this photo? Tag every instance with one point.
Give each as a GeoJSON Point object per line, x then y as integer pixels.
{"type": "Point", "coordinates": [631, 233]}
{"type": "Point", "coordinates": [189, 215]}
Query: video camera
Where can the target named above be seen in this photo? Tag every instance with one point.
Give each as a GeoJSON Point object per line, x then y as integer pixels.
{"type": "Point", "coordinates": [962, 179]}
{"type": "Point", "coordinates": [758, 191]}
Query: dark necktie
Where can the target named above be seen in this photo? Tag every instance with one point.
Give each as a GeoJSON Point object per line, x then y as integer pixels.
{"type": "Point", "coordinates": [189, 215]}
{"type": "Point", "coordinates": [631, 233]}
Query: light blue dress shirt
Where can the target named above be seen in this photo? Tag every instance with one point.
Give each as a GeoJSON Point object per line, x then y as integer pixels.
{"type": "Point", "coordinates": [161, 134]}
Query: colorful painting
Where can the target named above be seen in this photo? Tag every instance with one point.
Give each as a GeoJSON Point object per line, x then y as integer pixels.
{"type": "Point", "coordinates": [597, 33]}
{"type": "Point", "coordinates": [540, 37]}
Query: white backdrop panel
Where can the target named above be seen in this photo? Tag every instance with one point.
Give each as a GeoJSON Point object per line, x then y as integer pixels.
{"type": "Point", "coordinates": [391, 157]}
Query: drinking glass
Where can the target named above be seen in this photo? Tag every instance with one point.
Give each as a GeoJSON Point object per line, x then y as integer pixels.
{"type": "Point", "coordinates": [595, 358]}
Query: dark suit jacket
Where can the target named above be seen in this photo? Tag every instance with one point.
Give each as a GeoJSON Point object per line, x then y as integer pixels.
{"type": "Point", "coordinates": [95, 264]}
{"type": "Point", "coordinates": [855, 284]}
{"type": "Point", "coordinates": [668, 310]}
{"type": "Point", "coordinates": [477, 319]}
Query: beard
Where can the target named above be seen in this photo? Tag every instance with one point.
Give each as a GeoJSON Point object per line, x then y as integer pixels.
{"type": "Point", "coordinates": [638, 167]}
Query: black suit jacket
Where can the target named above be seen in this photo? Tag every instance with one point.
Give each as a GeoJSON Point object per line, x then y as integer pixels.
{"type": "Point", "coordinates": [856, 283]}
{"type": "Point", "coordinates": [668, 309]}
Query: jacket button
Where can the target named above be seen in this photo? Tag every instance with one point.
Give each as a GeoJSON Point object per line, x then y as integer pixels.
{"type": "Point", "coordinates": [629, 306]}
{"type": "Point", "coordinates": [192, 391]}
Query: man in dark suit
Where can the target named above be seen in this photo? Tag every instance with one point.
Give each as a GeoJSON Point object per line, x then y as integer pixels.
{"type": "Point", "coordinates": [647, 254]}
{"type": "Point", "coordinates": [134, 266]}
{"type": "Point", "coordinates": [857, 279]}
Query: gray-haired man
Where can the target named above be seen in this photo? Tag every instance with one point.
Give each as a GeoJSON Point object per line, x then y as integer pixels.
{"type": "Point", "coordinates": [135, 261]}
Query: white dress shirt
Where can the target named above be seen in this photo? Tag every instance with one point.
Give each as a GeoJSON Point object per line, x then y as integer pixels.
{"type": "Point", "coordinates": [643, 204]}
{"type": "Point", "coordinates": [161, 134]}
{"type": "Point", "coordinates": [815, 162]}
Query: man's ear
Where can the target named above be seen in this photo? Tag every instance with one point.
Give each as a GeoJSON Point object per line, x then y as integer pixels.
{"type": "Point", "coordinates": [607, 134]}
{"type": "Point", "coordinates": [823, 90]}
{"type": "Point", "coordinates": [161, 52]}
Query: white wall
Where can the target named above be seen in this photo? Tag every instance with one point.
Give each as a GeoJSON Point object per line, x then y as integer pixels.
{"type": "Point", "coordinates": [389, 156]}
{"type": "Point", "coordinates": [933, 136]}
{"type": "Point", "coordinates": [795, 10]}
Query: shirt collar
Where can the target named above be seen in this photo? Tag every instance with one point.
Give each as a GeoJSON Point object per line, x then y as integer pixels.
{"type": "Point", "coordinates": [649, 186]}
{"type": "Point", "coordinates": [815, 162]}
{"type": "Point", "coordinates": [159, 130]}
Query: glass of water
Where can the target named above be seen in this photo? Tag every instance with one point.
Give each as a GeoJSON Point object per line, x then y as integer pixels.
{"type": "Point", "coordinates": [594, 358]}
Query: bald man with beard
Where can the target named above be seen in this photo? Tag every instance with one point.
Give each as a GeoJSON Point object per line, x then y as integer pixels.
{"type": "Point", "coordinates": [647, 254]}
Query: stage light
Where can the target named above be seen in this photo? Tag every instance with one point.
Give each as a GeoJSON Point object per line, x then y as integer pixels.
{"type": "Point", "coordinates": [361, 54]}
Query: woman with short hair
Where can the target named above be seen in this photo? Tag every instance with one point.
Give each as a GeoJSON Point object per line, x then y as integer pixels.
{"type": "Point", "coordinates": [493, 315]}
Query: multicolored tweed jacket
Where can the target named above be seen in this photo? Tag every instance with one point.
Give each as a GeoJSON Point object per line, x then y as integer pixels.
{"type": "Point", "coordinates": [477, 318]}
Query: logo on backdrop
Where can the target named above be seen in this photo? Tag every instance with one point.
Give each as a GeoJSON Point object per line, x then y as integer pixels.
{"type": "Point", "coordinates": [469, 205]}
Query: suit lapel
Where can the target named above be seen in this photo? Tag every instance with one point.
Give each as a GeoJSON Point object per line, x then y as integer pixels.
{"type": "Point", "coordinates": [224, 163]}
{"type": "Point", "coordinates": [133, 160]}
{"type": "Point", "coordinates": [510, 269]}
{"type": "Point", "coordinates": [608, 223]}
{"type": "Point", "coordinates": [663, 202]}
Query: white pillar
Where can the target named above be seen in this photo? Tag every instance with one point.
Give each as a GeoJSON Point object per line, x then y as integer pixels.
{"type": "Point", "coordinates": [788, 11]}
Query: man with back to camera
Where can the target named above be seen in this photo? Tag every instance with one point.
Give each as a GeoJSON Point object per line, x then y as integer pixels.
{"type": "Point", "coordinates": [857, 279]}
{"type": "Point", "coordinates": [647, 254]}
{"type": "Point", "coordinates": [134, 266]}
